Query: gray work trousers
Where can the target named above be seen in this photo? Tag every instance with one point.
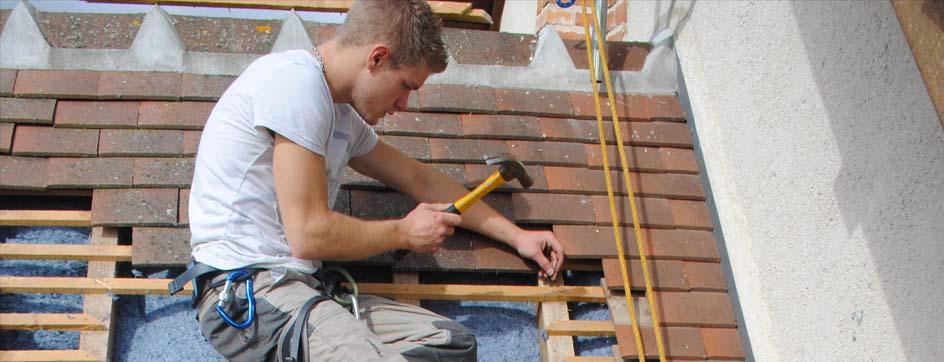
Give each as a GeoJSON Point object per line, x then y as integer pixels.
{"type": "Point", "coordinates": [387, 331]}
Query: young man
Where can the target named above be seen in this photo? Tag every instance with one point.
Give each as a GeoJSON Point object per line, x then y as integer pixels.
{"type": "Point", "coordinates": [267, 174]}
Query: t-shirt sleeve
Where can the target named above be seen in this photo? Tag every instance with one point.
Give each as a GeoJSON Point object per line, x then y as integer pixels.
{"type": "Point", "coordinates": [290, 102]}
{"type": "Point", "coordinates": [363, 137]}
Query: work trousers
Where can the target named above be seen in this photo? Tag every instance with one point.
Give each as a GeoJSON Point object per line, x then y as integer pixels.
{"type": "Point", "coordinates": [387, 330]}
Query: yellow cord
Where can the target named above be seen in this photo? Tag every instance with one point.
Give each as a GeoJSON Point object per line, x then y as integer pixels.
{"type": "Point", "coordinates": [609, 189]}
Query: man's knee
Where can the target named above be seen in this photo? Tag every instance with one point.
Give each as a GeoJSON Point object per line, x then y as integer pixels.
{"type": "Point", "coordinates": [460, 346]}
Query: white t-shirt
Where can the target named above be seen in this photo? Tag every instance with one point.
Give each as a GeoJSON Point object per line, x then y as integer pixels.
{"type": "Point", "coordinates": [234, 214]}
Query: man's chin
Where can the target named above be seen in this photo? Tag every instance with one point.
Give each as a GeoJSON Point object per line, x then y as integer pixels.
{"type": "Point", "coordinates": [373, 121]}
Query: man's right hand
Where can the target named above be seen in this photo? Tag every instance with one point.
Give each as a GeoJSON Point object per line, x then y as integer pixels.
{"type": "Point", "coordinates": [424, 229]}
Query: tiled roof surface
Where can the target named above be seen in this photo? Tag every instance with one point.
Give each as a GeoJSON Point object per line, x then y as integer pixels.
{"type": "Point", "coordinates": [128, 139]}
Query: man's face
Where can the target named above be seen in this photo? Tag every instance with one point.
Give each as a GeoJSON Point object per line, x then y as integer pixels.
{"type": "Point", "coordinates": [386, 90]}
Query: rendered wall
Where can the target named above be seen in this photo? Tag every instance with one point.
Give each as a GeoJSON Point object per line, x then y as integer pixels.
{"type": "Point", "coordinates": [826, 162]}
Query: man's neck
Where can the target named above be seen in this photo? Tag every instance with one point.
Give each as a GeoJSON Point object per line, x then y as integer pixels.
{"type": "Point", "coordinates": [336, 69]}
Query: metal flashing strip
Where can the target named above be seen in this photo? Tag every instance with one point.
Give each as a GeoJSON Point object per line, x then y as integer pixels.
{"type": "Point", "coordinates": [716, 232]}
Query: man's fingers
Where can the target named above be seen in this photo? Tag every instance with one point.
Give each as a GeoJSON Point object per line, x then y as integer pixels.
{"type": "Point", "coordinates": [545, 264]}
{"type": "Point", "coordinates": [450, 219]}
{"type": "Point", "coordinates": [434, 206]}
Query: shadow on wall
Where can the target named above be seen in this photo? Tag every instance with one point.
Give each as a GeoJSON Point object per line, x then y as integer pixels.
{"type": "Point", "coordinates": [683, 13]}
{"type": "Point", "coordinates": [890, 186]}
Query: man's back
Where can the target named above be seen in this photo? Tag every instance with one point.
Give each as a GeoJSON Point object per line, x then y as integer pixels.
{"type": "Point", "coordinates": [235, 219]}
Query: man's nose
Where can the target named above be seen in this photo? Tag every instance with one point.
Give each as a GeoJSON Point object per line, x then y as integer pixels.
{"type": "Point", "coordinates": [402, 103]}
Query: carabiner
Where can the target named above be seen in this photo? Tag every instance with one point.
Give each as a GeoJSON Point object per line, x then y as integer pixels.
{"type": "Point", "coordinates": [228, 291]}
{"type": "Point", "coordinates": [567, 5]}
{"type": "Point", "coordinates": [355, 307]}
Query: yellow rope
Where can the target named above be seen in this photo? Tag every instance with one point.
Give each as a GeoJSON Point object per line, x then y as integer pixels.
{"type": "Point", "coordinates": [629, 186]}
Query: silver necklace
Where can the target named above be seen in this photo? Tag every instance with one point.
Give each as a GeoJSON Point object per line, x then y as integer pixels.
{"type": "Point", "coordinates": [320, 61]}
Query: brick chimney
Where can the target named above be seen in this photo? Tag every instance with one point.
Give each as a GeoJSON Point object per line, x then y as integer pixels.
{"type": "Point", "coordinates": [569, 22]}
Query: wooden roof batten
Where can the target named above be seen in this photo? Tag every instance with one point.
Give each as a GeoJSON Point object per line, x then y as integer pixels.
{"type": "Point", "coordinates": [448, 10]}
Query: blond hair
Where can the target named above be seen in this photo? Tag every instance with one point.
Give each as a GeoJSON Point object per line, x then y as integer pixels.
{"type": "Point", "coordinates": [409, 27]}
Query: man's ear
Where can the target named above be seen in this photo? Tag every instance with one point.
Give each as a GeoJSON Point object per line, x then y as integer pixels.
{"type": "Point", "coordinates": [378, 56]}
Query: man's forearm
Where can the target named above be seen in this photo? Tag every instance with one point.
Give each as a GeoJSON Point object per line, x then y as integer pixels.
{"type": "Point", "coordinates": [339, 237]}
{"type": "Point", "coordinates": [438, 187]}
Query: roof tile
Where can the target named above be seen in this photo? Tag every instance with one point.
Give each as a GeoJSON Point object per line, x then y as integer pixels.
{"type": "Point", "coordinates": [163, 172]}
{"type": "Point", "coordinates": [653, 212]}
{"type": "Point", "coordinates": [681, 186]}
{"type": "Point", "coordinates": [97, 114]}
{"type": "Point", "coordinates": [134, 207]}
{"type": "Point", "coordinates": [415, 147]}
{"type": "Point", "coordinates": [90, 172]}
{"type": "Point", "coordinates": [478, 173]}
{"type": "Point", "coordinates": [549, 153]}
{"type": "Point", "coordinates": [516, 50]}
{"type": "Point", "coordinates": [533, 102]}
{"type": "Point", "coordinates": [160, 246]}
{"type": "Point", "coordinates": [320, 33]}
{"type": "Point", "coordinates": [57, 83]}
{"type": "Point", "coordinates": [422, 124]}
{"type": "Point", "coordinates": [494, 255]}
{"type": "Point", "coordinates": [89, 31]}
{"type": "Point", "coordinates": [456, 172]}
{"type": "Point", "coordinates": [7, 80]}
{"type": "Point", "coordinates": [664, 108]}
{"type": "Point", "coordinates": [226, 35]}
{"type": "Point", "coordinates": [701, 309]}
{"type": "Point", "coordinates": [705, 277]}
{"type": "Point", "coordinates": [380, 205]}
{"type": "Point", "coordinates": [680, 342]}
{"type": "Point", "coordinates": [722, 343]}
{"type": "Point", "coordinates": [465, 150]}
{"type": "Point", "coordinates": [456, 253]}
{"type": "Point", "coordinates": [24, 173]}
{"type": "Point", "coordinates": [174, 115]}
{"type": "Point", "coordinates": [144, 143]}
{"type": "Point", "coordinates": [678, 160]}
{"type": "Point", "coordinates": [553, 208]}
{"type": "Point", "coordinates": [456, 98]}
{"type": "Point", "coordinates": [501, 203]}
{"type": "Point", "coordinates": [574, 179]}
{"type": "Point", "coordinates": [50, 141]}
{"type": "Point", "coordinates": [191, 142]}
{"type": "Point", "coordinates": [572, 130]}
{"type": "Point", "coordinates": [25, 110]}
{"type": "Point", "coordinates": [342, 204]}
{"type": "Point", "coordinates": [593, 242]}
{"type": "Point", "coordinates": [472, 46]}
{"type": "Point", "coordinates": [139, 85]}
{"type": "Point", "coordinates": [199, 87]}
{"type": "Point", "coordinates": [666, 275]}
{"type": "Point", "coordinates": [354, 179]}
{"type": "Point", "coordinates": [640, 159]}
{"type": "Point", "coordinates": [629, 107]}
{"type": "Point", "coordinates": [6, 137]}
{"type": "Point", "coordinates": [183, 208]}
{"type": "Point", "coordinates": [501, 127]}
{"type": "Point", "coordinates": [670, 134]}
{"type": "Point", "coordinates": [693, 214]}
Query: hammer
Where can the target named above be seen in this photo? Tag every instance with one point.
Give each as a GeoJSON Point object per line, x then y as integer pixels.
{"type": "Point", "coordinates": [509, 168]}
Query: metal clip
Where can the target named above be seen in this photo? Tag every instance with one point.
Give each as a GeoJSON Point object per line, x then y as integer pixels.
{"type": "Point", "coordinates": [226, 293]}
{"type": "Point", "coordinates": [355, 308]}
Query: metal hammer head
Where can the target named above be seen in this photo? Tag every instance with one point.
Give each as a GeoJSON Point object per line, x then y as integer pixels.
{"type": "Point", "coordinates": [510, 168]}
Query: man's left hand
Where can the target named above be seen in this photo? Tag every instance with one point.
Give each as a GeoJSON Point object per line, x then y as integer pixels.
{"type": "Point", "coordinates": [544, 248]}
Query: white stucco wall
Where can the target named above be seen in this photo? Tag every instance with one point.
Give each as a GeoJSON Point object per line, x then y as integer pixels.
{"type": "Point", "coordinates": [826, 161]}
{"type": "Point", "coordinates": [520, 17]}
